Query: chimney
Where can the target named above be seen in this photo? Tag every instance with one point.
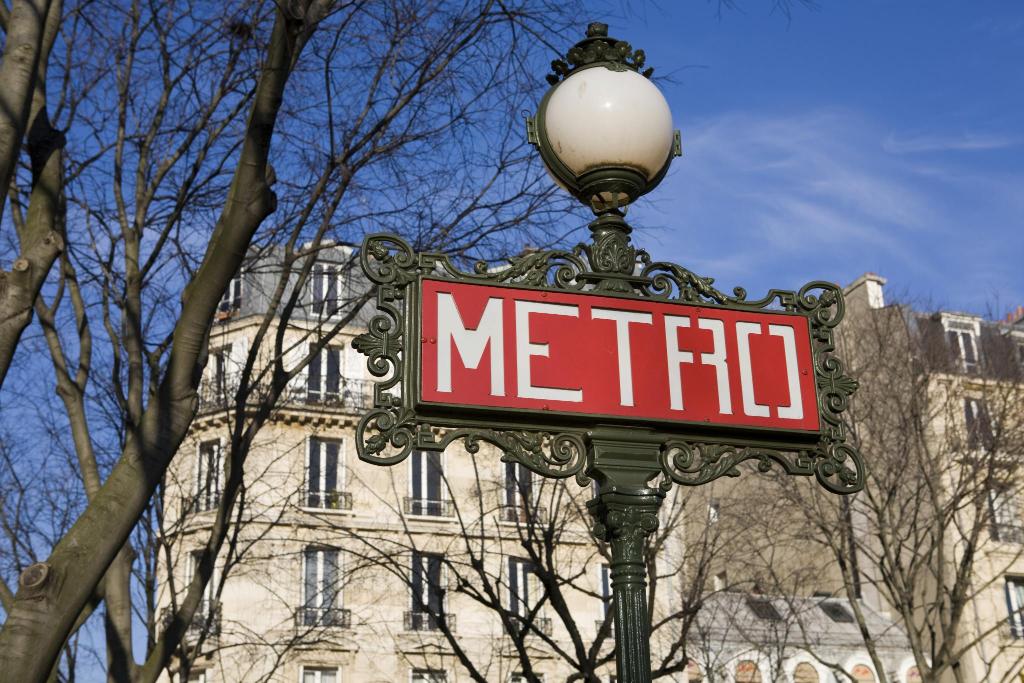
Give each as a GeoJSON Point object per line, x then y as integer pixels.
{"type": "Point", "coordinates": [868, 289]}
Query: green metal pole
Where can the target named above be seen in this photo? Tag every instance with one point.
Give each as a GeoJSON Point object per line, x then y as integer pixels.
{"type": "Point", "coordinates": [625, 513]}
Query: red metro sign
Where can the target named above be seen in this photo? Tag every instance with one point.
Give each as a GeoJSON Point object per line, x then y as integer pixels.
{"type": "Point", "coordinates": [507, 350]}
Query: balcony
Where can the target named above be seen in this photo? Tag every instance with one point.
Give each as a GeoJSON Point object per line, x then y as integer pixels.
{"type": "Point", "coordinates": [205, 621]}
{"type": "Point", "coordinates": [425, 621]}
{"type": "Point", "coordinates": [352, 396]}
{"type": "Point", "coordinates": [331, 617]}
{"type": "Point", "coordinates": [599, 624]}
{"type": "Point", "coordinates": [199, 502]}
{"type": "Point", "coordinates": [1008, 533]}
{"type": "Point", "coordinates": [328, 500]}
{"type": "Point", "coordinates": [538, 625]}
{"type": "Point", "coordinates": [522, 514]}
{"type": "Point", "coordinates": [425, 507]}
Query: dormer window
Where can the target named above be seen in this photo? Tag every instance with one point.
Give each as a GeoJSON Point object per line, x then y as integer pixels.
{"type": "Point", "coordinates": [962, 334]}
{"type": "Point", "coordinates": [328, 288]}
{"type": "Point", "coordinates": [232, 299]}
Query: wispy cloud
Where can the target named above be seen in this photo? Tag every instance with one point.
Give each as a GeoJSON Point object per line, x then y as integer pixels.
{"type": "Point", "coordinates": [774, 202]}
{"type": "Point", "coordinates": [967, 142]}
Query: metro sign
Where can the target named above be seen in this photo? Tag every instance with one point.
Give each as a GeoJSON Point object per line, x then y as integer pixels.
{"type": "Point", "coordinates": [568, 355]}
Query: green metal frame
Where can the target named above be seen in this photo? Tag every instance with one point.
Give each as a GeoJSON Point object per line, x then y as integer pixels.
{"type": "Point", "coordinates": [623, 459]}
{"type": "Point", "coordinates": [553, 445]}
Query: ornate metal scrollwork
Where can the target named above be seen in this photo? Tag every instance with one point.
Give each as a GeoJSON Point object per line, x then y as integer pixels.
{"type": "Point", "coordinates": [696, 463]}
{"type": "Point", "coordinates": [388, 433]}
{"type": "Point", "coordinates": [598, 48]}
{"type": "Point", "coordinates": [392, 430]}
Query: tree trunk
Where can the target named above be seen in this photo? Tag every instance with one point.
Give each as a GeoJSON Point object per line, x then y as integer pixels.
{"type": "Point", "coordinates": [30, 37]}
{"type": "Point", "coordinates": [51, 594]}
{"type": "Point", "coordinates": [18, 73]}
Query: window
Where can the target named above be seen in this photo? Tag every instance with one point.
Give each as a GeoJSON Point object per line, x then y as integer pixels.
{"type": "Point", "coordinates": [319, 674]}
{"type": "Point", "coordinates": [519, 572]}
{"type": "Point", "coordinates": [205, 617]}
{"type": "Point", "coordinates": [747, 672]}
{"type": "Point", "coordinates": [428, 676]}
{"type": "Point", "coordinates": [321, 588]}
{"type": "Point", "coordinates": [520, 678]}
{"type": "Point", "coordinates": [425, 477]}
{"type": "Point", "coordinates": [1006, 518]}
{"type": "Point", "coordinates": [1015, 605]}
{"type": "Point", "coordinates": [518, 492]}
{"type": "Point", "coordinates": [323, 376]}
{"type": "Point", "coordinates": [979, 425]}
{"type": "Point", "coordinates": [863, 674]}
{"type": "Point", "coordinates": [328, 288]}
{"type": "Point", "coordinates": [606, 589]}
{"type": "Point", "coordinates": [221, 359]}
{"type": "Point", "coordinates": [963, 342]}
{"type": "Point", "coordinates": [763, 609]}
{"type": "Point", "coordinates": [714, 511]}
{"type": "Point", "coordinates": [197, 677]}
{"type": "Point", "coordinates": [208, 470]}
{"type": "Point", "coordinates": [805, 673]}
{"type": "Point", "coordinates": [427, 593]}
{"type": "Point", "coordinates": [232, 299]}
{"type": "Point", "coordinates": [836, 612]}
{"type": "Point", "coordinates": [325, 476]}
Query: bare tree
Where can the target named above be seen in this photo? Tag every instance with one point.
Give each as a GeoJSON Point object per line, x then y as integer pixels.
{"type": "Point", "coordinates": [926, 539]}
{"type": "Point", "coordinates": [168, 184]}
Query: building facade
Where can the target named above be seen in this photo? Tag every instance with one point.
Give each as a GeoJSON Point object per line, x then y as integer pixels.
{"type": "Point", "coordinates": [450, 566]}
{"type": "Point", "coordinates": [963, 392]}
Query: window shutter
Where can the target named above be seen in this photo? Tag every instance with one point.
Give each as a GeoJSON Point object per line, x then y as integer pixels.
{"type": "Point", "coordinates": [313, 377]}
{"type": "Point", "coordinates": [311, 587]}
{"type": "Point", "coordinates": [510, 484]}
{"type": "Point", "coordinates": [314, 472]}
{"type": "Point", "coordinates": [331, 578]}
{"type": "Point", "coordinates": [435, 597]}
{"type": "Point", "coordinates": [333, 378]}
{"type": "Point", "coordinates": [416, 581]}
{"type": "Point", "coordinates": [332, 290]}
{"type": "Point", "coordinates": [433, 475]}
{"type": "Point", "coordinates": [318, 289]}
{"type": "Point", "coordinates": [331, 467]}
{"type": "Point", "coordinates": [417, 479]}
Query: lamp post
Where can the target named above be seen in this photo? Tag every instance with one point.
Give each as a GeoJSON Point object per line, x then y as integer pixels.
{"type": "Point", "coordinates": [604, 132]}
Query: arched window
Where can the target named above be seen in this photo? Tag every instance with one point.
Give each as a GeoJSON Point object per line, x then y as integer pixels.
{"type": "Point", "coordinates": [747, 672]}
{"type": "Point", "coordinates": [805, 673]}
{"type": "Point", "coordinates": [863, 674]}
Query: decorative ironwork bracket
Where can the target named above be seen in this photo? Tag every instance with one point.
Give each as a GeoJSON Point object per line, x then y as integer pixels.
{"type": "Point", "coordinates": [611, 266]}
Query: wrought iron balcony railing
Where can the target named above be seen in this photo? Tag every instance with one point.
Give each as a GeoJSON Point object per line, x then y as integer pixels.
{"type": "Point", "coordinates": [427, 507]}
{"type": "Point", "coordinates": [333, 617]}
{"type": "Point", "coordinates": [206, 620]}
{"type": "Point", "coordinates": [199, 502]}
{"type": "Point", "coordinates": [353, 395]}
{"type": "Point", "coordinates": [539, 625]}
{"type": "Point", "coordinates": [524, 514]}
{"type": "Point", "coordinates": [1008, 533]}
{"type": "Point", "coordinates": [425, 621]}
{"type": "Point", "coordinates": [328, 500]}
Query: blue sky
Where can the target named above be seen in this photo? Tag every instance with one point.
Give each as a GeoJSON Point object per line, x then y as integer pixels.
{"type": "Point", "coordinates": [857, 136]}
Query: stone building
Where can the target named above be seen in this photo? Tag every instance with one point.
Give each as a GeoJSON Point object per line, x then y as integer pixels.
{"type": "Point", "coordinates": [968, 372]}
{"type": "Point", "coordinates": [446, 567]}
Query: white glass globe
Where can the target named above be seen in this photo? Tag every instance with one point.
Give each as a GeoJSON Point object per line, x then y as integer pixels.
{"type": "Point", "coordinates": [598, 117]}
